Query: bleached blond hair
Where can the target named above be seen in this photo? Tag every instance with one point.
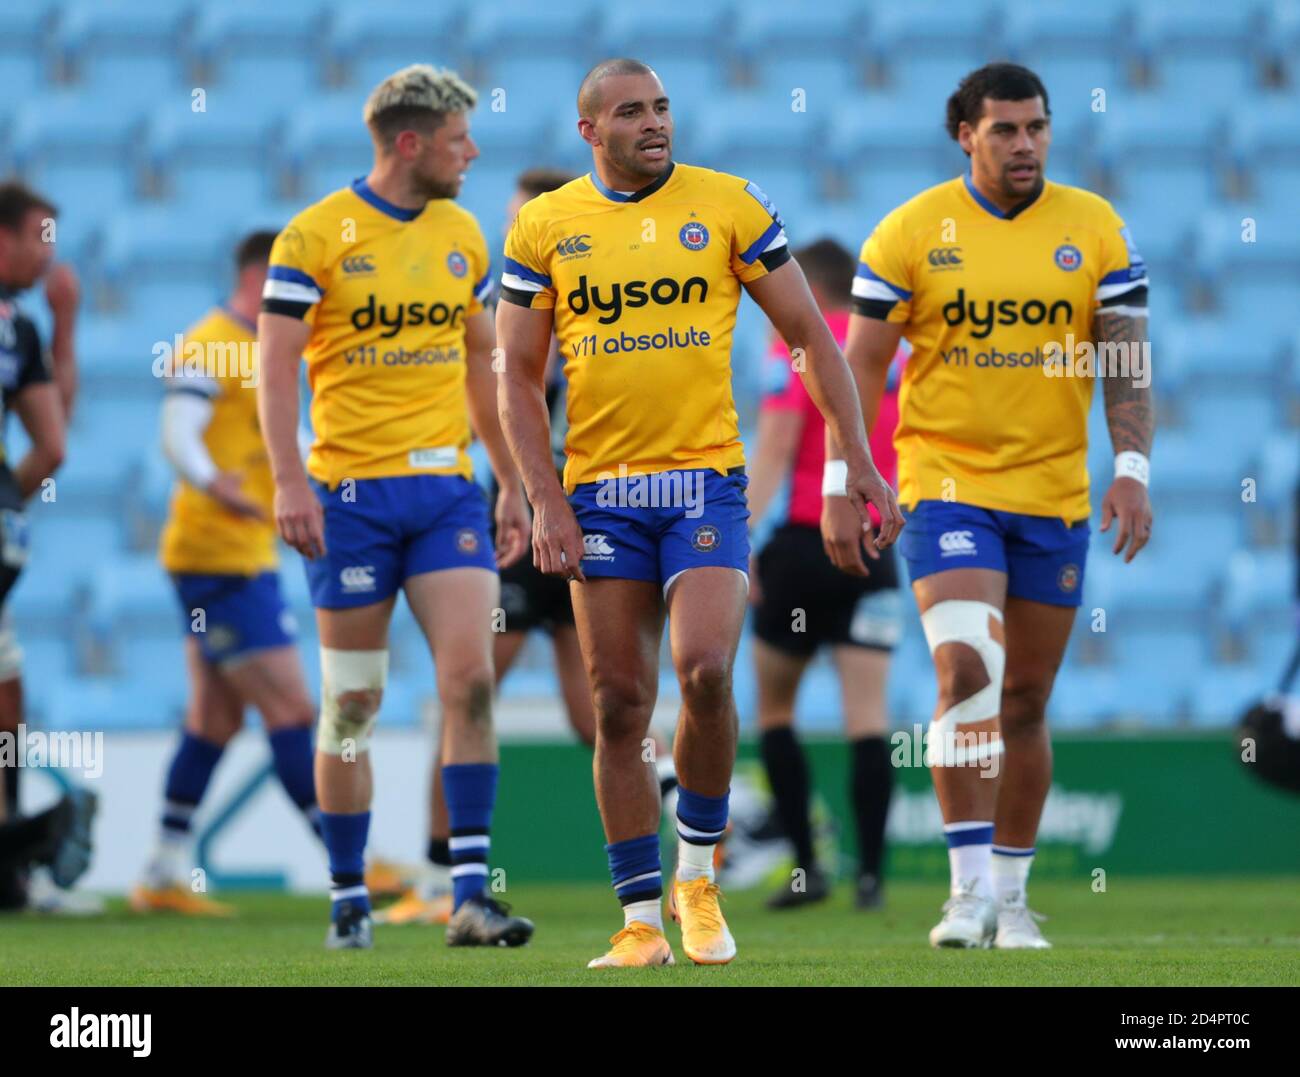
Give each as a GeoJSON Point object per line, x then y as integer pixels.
{"type": "Point", "coordinates": [418, 88]}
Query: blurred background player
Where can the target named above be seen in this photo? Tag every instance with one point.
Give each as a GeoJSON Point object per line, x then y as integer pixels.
{"type": "Point", "coordinates": [218, 545]}
{"type": "Point", "coordinates": [531, 601]}
{"type": "Point", "coordinates": [857, 618]}
{"type": "Point", "coordinates": [661, 409]}
{"type": "Point", "coordinates": [40, 388]}
{"type": "Point", "coordinates": [381, 287]}
{"type": "Point", "coordinates": [992, 454]}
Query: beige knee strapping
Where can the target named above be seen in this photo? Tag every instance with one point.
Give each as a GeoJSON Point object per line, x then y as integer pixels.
{"type": "Point", "coordinates": [352, 685]}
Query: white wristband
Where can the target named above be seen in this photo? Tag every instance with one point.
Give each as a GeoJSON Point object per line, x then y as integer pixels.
{"type": "Point", "coordinates": [834, 477]}
{"type": "Point", "coordinates": [1130, 464]}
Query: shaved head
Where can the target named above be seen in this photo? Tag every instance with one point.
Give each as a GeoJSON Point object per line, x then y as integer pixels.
{"type": "Point", "coordinates": [589, 93]}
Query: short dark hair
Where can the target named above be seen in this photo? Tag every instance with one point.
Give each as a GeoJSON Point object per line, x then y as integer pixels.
{"type": "Point", "coordinates": [17, 200]}
{"type": "Point", "coordinates": [829, 267]}
{"type": "Point", "coordinates": [589, 96]}
{"type": "Point", "coordinates": [1001, 82]}
{"type": "Point", "coordinates": [537, 181]}
{"type": "Point", "coordinates": [254, 249]}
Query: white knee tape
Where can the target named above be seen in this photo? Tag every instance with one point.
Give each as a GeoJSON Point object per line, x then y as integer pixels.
{"type": "Point", "coordinates": [979, 626]}
{"type": "Point", "coordinates": [352, 684]}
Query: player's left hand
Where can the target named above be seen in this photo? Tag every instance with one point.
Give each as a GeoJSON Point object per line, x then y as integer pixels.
{"type": "Point", "coordinates": [62, 290]}
{"type": "Point", "coordinates": [1128, 502]}
{"type": "Point", "coordinates": [514, 525]}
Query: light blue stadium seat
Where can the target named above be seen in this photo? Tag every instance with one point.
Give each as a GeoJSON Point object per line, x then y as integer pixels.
{"type": "Point", "coordinates": [1185, 465]}
{"type": "Point", "coordinates": [1264, 137]}
{"type": "Point", "coordinates": [1217, 351]}
{"type": "Point", "coordinates": [691, 82]}
{"type": "Point", "coordinates": [106, 703]}
{"type": "Point", "coordinates": [133, 595]}
{"type": "Point", "coordinates": [826, 81]}
{"type": "Point", "coordinates": [1084, 697]}
{"type": "Point", "coordinates": [156, 653]}
{"type": "Point", "coordinates": [232, 36]}
{"type": "Point", "coordinates": [66, 127]}
{"type": "Point", "coordinates": [1151, 157]}
{"type": "Point", "coordinates": [882, 132]}
{"type": "Point", "coordinates": [161, 244]}
{"type": "Point", "coordinates": [1198, 43]}
{"type": "Point", "coordinates": [1071, 48]}
{"type": "Point", "coordinates": [326, 145]}
{"type": "Point", "coordinates": [1222, 692]}
{"type": "Point", "coordinates": [109, 348]}
{"type": "Point", "coordinates": [1255, 282]}
{"type": "Point", "coordinates": [513, 28]}
{"type": "Point", "coordinates": [1270, 649]}
{"type": "Point", "coordinates": [65, 549]}
{"type": "Point", "coordinates": [123, 53]}
{"type": "Point", "coordinates": [1259, 589]}
{"type": "Point", "coordinates": [486, 191]}
{"type": "Point", "coordinates": [368, 42]}
{"type": "Point", "coordinates": [668, 29]}
{"type": "Point", "coordinates": [524, 129]}
{"type": "Point", "coordinates": [1279, 470]}
{"type": "Point", "coordinates": [763, 30]}
{"type": "Point", "coordinates": [214, 157]}
{"type": "Point", "coordinates": [1150, 590]}
{"type": "Point", "coordinates": [925, 48]}
{"type": "Point", "coordinates": [24, 26]}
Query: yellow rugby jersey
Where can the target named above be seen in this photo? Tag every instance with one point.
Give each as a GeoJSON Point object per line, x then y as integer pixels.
{"type": "Point", "coordinates": [980, 295]}
{"type": "Point", "coordinates": [200, 535]}
{"type": "Point", "coordinates": [386, 291]}
{"type": "Point", "coordinates": [645, 288]}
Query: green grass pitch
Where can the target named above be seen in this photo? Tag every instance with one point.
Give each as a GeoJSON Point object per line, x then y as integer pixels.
{"type": "Point", "coordinates": [1139, 932]}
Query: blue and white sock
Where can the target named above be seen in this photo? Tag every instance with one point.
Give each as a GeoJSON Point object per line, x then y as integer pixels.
{"type": "Point", "coordinates": [970, 856]}
{"type": "Point", "coordinates": [701, 822]}
{"type": "Point", "coordinates": [345, 840]}
{"type": "Point", "coordinates": [1011, 874]}
{"type": "Point", "coordinates": [187, 780]}
{"type": "Point", "coordinates": [638, 879]}
{"type": "Point", "coordinates": [471, 792]}
{"type": "Point", "coordinates": [291, 752]}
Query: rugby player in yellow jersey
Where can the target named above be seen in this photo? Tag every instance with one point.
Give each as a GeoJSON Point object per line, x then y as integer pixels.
{"type": "Point", "coordinates": [1013, 291]}
{"type": "Point", "coordinates": [380, 287]}
{"type": "Point", "coordinates": [218, 544]}
{"type": "Point", "coordinates": [638, 267]}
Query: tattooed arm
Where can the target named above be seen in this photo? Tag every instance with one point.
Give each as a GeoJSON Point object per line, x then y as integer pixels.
{"type": "Point", "coordinates": [1130, 415]}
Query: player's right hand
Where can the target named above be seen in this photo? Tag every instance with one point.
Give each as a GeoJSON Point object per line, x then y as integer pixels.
{"type": "Point", "coordinates": [843, 535]}
{"type": "Point", "coordinates": [557, 539]}
{"type": "Point", "coordinates": [300, 519]}
{"type": "Point", "coordinates": [225, 488]}
{"type": "Point", "coordinates": [865, 485]}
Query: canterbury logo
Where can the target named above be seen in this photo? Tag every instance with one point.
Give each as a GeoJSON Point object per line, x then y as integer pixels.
{"type": "Point", "coordinates": [359, 263]}
{"type": "Point", "coordinates": [358, 578]}
{"type": "Point", "coordinates": [951, 542]}
{"type": "Point", "coordinates": [574, 244]}
{"type": "Point", "coordinates": [945, 256]}
{"type": "Point", "coordinates": [596, 546]}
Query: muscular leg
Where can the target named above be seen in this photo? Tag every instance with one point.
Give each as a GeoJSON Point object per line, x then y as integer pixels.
{"type": "Point", "coordinates": [619, 624]}
{"type": "Point", "coordinates": [454, 608]}
{"type": "Point", "coordinates": [706, 608]}
{"type": "Point", "coordinates": [1037, 635]}
{"type": "Point", "coordinates": [574, 685]}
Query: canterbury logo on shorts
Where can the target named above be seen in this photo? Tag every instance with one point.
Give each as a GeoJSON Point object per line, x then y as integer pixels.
{"type": "Point", "coordinates": [357, 578]}
{"type": "Point", "coordinates": [597, 548]}
{"type": "Point", "coordinates": [956, 543]}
